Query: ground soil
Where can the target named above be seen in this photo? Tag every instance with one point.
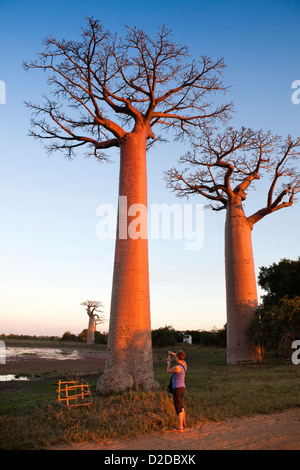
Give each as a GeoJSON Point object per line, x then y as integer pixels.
{"type": "Point", "coordinates": [280, 431]}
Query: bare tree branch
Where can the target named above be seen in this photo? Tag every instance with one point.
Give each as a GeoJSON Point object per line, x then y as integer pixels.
{"type": "Point", "coordinates": [288, 175]}
{"type": "Point", "coordinates": [108, 86]}
{"type": "Point", "coordinates": [222, 167]}
{"type": "Point", "coordinates": [92, 307]}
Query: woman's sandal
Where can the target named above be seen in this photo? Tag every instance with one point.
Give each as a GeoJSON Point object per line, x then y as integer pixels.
{"type": "Point", "coordinates": [177, 429]}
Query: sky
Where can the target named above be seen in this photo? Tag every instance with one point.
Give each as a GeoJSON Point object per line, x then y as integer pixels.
{"type": "Point", "coordinates": [51, 257]}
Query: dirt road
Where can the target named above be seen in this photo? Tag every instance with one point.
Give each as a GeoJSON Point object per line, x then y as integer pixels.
{"type": "Point", "coordinates": [280, 431]}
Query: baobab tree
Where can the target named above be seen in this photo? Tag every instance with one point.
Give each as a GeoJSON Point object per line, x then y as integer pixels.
{"type": "Point", "coordinates": [222, 168]}
{"type": "Point", "coordinates": [110, 92]}
{"type": "Point", "coordinates": [93, 307]}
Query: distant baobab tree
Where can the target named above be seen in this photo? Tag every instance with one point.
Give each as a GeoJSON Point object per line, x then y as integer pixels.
{"type": "Point", "coordinates": [110, 92]}
{"type": "Point", "coordinates": [93, 307]}
{"type": "Point", "coordinates": [221, 168]}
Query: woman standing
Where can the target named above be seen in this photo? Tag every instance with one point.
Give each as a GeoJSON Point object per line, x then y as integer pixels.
{"type": "Point", "coordinates": [178, 384]}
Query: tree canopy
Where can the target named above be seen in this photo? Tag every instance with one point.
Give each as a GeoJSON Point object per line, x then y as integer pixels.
{"type": "Point", "coordinates": [280, 280]}
{"type": "Point", "coordinates": [104, 86]}
{"type": "Point", "coordinates": [221, 167]}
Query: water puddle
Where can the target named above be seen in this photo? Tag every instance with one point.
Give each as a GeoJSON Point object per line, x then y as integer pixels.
{"type": "Point", "coordinates": [9, 377]}
{"type": "Point", "coordinates": [23, 358]}
{"type": "Point", "coordinates": [41, 353]}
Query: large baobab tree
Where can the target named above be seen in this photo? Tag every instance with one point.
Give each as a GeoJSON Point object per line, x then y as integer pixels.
{"type": "Point", "coordinates": [93, 308]}
{"type": "Point", "coordinates": [110, 92]}
{"type": "Point", "coordinates": [222, 168]}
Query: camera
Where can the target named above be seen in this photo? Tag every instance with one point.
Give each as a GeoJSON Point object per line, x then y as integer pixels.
{"type": "Point", "coordinates": [170, 353]}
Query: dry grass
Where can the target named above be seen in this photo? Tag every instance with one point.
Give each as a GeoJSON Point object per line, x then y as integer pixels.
{"type": "Point", "coordinates": [30, 418]}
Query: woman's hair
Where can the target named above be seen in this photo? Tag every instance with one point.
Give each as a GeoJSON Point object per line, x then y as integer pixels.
{"type": "Point", "coordinates": [180, 355]}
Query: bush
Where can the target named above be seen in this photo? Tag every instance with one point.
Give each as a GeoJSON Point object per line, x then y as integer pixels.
{"type": "Point", "coordinates": [280, 280]}
{"type": "Point", "coordinates": [68, 336]}
{"type": "Point", "coordinates": [83, 336]}
{"type": "Point", "coordinates": [101, 338]}
{"type": "Point", "coordinates": [216, 338]}
{"type": "Point", "coordinates": [165, 336]}
{"type": "Point", "coordinates": [168, 336]}
{"type": "Point", "coordinates": [275, 327]}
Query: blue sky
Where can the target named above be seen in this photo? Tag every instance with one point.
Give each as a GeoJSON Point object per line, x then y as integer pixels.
{"type": "Point", "coordinates": [50, 257]}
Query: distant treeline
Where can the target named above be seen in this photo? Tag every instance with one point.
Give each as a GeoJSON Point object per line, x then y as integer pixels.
{"type": "Point", "coordinates": [30, 337]}
{"type": "Point", "coordinates": [161, 337]}
{"type": "Point", "coordinates": [168, 336]}
{"type": "Point", "coordinates": [100, 338]}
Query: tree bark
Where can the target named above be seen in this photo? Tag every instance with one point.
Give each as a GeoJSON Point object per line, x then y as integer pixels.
{"type": "Point", "coordinates": [241, 291]}
{"type": "Point", "coordinates": [91, 330]}
{"type": "Point", "coordinates": [129, 362]}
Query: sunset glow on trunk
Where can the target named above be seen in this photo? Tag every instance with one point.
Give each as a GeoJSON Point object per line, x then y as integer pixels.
{"type": "Point", "coordinates": [241, 291]}
{"type": "Point", "coordinates": [129, 354]}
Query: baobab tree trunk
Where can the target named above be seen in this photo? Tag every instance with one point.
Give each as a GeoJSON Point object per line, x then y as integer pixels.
{"type": "Point", "coordinates": [241, 291]}
{"type": "Point", "coordinates": [129, 361]}
{"type": "Point", "coordinates": [91, 330]}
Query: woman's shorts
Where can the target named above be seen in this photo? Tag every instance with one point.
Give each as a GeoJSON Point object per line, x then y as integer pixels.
{"type": "Point", "coordinates": [178, 396]}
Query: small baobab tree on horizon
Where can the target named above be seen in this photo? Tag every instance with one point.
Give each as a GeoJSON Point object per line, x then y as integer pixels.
{"type": "Point", "coordinates": [93, 308]}
{"type": "Point", "coordinates": [222, 168]}
{"type": "Point", "coordinates": [112, 92]}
